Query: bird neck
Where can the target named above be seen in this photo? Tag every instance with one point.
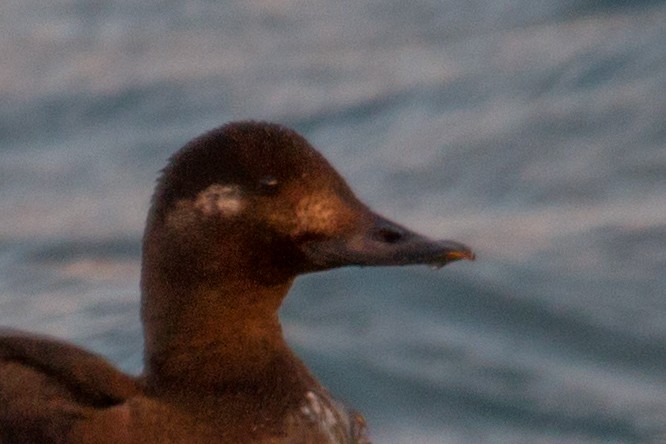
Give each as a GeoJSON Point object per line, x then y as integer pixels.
{"type": "Point", "coordinates": [216, 334]}
{"type": "Point", "coordinates": [210, 301]}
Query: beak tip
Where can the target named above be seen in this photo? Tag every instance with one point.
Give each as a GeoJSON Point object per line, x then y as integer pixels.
{"type": "Point", "coordinates": [454, 256]}
{"type": "Point", "coordinates": [460, 255]}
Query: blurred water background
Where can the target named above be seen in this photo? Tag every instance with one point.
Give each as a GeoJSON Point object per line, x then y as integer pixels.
{"type": "Point", "coordinates": [533, 131]}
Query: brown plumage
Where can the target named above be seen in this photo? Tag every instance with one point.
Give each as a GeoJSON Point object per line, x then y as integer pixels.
{"type": "Point", "coordinates": [237, 214]}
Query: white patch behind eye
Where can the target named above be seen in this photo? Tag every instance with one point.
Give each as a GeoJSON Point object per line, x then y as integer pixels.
{"type": "Point", "coordinates": [223, 200]}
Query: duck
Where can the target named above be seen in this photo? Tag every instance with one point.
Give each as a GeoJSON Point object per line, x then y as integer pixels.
{"type": "Point", "coordinates": [237, 214]}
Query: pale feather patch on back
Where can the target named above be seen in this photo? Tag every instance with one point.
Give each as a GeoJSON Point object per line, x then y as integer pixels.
{"type": "Point", "coordinates": [333, 423]}
{"type": "Point", "coordinates": [317, 411]}
{"type": "Point", "coordinates": [222, 200]}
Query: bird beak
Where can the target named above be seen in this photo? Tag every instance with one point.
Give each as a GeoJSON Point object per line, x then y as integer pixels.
{"type": "Point", "coordinates": [376, 241]}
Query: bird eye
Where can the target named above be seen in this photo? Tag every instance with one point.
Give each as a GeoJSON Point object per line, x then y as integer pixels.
{"type": "Point", "coordinates": [269, 185]}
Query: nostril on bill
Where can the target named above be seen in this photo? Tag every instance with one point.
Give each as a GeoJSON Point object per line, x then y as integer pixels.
{"type": "Point", "coordinates": [389, 235]}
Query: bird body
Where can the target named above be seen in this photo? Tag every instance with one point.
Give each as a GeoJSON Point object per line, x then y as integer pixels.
{"type": "Point", "coordinates": [237, 214]}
